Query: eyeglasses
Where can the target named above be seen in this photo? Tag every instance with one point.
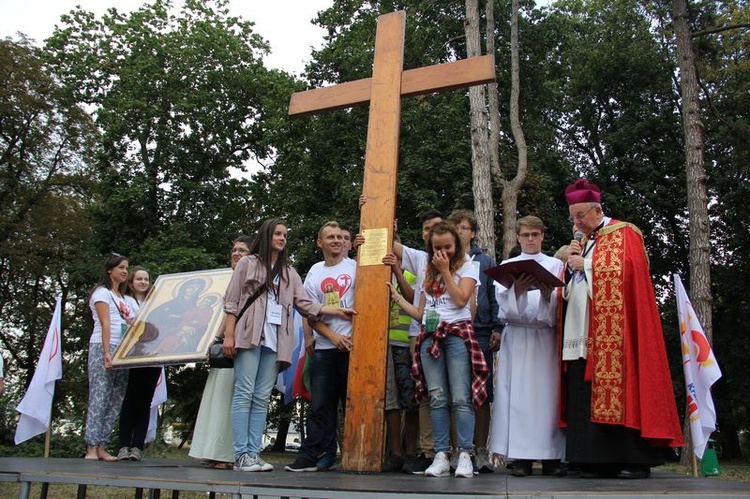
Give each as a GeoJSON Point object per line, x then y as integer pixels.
{"type": "Point", "coordinates": [116, 255]}
{"type": "Point", "coordinates": [526, 235]}
{"type": "Point", "coordinates": [579, 216]}
{"type": "Point", "coordinates": [467, 228]}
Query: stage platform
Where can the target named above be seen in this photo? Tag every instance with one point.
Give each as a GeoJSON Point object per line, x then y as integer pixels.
{"type": "Point", "coordinates": [183, 475]}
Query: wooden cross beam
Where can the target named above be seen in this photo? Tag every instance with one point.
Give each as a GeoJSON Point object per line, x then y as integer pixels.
{"type": "Point", "coordinates": [362, 447]}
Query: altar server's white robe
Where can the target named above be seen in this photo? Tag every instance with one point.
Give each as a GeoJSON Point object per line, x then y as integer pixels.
{"type": "Point", "coordinates": [525, 410]}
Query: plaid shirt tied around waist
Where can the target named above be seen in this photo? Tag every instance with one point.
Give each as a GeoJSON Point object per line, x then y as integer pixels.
{"type": "Point", "coordinates": [479, 370]}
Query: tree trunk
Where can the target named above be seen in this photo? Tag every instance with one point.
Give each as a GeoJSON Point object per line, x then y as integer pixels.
{"type": "Point", "coordinates": [512, 187]}
{"type": "Point", "coordinates": [697, 199]}
{"type": "Point", "coordinates": [480, 157]}
{"type": "Point", "coordinates": [283, 430]}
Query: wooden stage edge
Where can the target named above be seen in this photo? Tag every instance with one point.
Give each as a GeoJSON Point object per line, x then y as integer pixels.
{"type": "Point", "coordinates": [189, 475]}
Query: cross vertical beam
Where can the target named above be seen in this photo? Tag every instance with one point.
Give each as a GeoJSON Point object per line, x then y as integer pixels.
{"type": "Point", "coordinates": [365, 401]}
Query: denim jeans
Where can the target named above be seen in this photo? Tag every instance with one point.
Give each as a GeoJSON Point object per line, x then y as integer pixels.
{"type": "Point", "coordinates": [255, 374]}
{"type": "Point", "coordinates": [328, 377]}
{"type": "Point", "coordinates": [449, 376]}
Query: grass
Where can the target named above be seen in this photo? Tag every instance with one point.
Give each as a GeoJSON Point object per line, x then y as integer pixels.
{"type": "Point", "coordinates": [737, 469]}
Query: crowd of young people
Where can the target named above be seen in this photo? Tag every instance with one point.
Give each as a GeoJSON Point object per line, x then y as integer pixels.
{"type": "Point", "coordinates": [572, 388]}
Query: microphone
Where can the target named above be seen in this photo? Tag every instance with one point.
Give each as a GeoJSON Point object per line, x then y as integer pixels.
{"type": "Point", "coordinates": [578, 274]}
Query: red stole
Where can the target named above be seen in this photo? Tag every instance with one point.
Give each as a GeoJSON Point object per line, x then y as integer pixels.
{"type": "Point", "coordinates": [627, 361]}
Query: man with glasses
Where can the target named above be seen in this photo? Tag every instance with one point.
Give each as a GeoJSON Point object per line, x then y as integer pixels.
{"type": "Point", "coordinates": [487, 328]}
{"type": "Point", "coordinates": [525, 416]}
{"type": "Point", "coordinates": [621, 412]}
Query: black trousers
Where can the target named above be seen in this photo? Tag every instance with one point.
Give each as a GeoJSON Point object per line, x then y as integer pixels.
{"type": "Point", "coordinates": [136, 407]}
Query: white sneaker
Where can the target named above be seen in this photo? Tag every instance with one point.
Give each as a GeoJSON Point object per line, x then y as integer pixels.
{"type": "Point", "coordinates": [264, 466]}
{"type": "Point", "coordinates": [246, 462]}
{"type": "Point", "coordinates": [242, 463]}
{"type": "Point", "coordinates": [440, 466]}
{"type": "Point", "coordinates": [464, 468]}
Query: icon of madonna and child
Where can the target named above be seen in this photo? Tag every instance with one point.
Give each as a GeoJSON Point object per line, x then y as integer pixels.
{"type": "Point", "coordinates": [178, 320]}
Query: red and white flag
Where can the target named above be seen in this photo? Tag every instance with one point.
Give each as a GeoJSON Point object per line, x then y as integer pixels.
{"type": "Point", "coordinates": [701, 371]}
{"type": "Point", "coordinates": [36, 405]}
{"type": "Point", "coordinates": [160, 396]}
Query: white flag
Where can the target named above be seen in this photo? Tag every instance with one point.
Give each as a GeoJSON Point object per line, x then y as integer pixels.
{"type": "Point", "coordinates": [160, 396]}
{"type": "Point", "coordinates": [36, 405]}
{"type": "Point", "coordinates": [701, 371]}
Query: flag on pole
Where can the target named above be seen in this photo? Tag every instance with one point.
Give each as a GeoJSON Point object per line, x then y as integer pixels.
{"type": "Point", "coordinates": [160, 396]}
{"type": "Point", "coordinates": [289, 381]}
{"type": "Point", "coordinates": [36, 405]}
{"type": "Point", "coordinates": [701, 371]}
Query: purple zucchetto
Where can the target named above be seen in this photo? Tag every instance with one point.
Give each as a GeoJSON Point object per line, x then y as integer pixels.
{"type": "Point", "coordinates": [582, 191]}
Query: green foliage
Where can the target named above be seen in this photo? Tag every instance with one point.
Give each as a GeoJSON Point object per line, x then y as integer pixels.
{"type": "Point", "coordinates": [181, 99]}
{"type": "Point", "coordinates": [46, 187]}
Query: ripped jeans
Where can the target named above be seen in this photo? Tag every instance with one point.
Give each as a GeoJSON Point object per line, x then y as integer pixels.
{"type": "Point", "coordinates": [449, 376]}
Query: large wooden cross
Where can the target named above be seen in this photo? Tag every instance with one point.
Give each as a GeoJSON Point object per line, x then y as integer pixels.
{"type": "Point", "coordinates": [362, 447]}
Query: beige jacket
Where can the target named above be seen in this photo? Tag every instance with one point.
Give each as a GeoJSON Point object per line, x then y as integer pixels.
{"type": "Point", "coordinates": [248, 276]}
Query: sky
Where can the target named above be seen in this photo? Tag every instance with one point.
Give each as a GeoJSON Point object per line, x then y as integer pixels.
{"type": "Point", "coordinates": [285, 24]}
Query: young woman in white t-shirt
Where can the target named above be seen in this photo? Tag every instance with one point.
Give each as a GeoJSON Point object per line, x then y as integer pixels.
{"type": "Point", "coordinates": [106, 385]}
{"type": "Point", "coordinates": [136, 408]}
{"type": "Point", "coordinates": [446, 345]}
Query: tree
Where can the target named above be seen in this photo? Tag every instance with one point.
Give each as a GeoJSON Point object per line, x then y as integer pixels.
{"type": "Point", "coordinates": [46, 142]}
{"type": "Point", "coordinates": [697, 198]}
{"type": "Point", "coordinates": [617, 121]}
{"type": "Point", "coordinates": [480, 123]}
{"type": "Point", "coordinates": [720, 44]}
{"type": "Point", "coordinates": [511, 187]}
{"type": "Point", "coordinates": [182, 100]}
{"type": "Point", "coordinates": [700, 248]}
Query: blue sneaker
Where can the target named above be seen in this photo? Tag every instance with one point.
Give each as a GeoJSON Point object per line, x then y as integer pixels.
{"type": "Point", "coordinates": [326, 461]}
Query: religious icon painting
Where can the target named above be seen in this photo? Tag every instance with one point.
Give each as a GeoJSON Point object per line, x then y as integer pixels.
{"type": "Point", "coordinates": [177, 322]}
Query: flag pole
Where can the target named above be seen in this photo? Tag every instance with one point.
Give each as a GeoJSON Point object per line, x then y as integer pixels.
{"type": "Point", "coordinates": [695, 465]}
{"type": "Point", "coordinates": [47, 437]}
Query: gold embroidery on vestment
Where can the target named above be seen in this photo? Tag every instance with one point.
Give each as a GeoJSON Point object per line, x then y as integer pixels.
{"type": "Point", "coordinates": [609, 327]}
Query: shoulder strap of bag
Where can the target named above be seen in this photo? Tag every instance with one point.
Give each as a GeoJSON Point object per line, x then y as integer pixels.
{"type": "Point", "coordinates": [274, 273]}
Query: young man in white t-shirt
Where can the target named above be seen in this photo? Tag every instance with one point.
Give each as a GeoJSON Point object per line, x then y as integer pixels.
{"type": "Point", "coordinates": [330, 282]}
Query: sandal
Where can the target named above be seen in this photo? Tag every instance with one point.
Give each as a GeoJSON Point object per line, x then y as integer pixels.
{"type": "Point", "coordinates": [219, 465]}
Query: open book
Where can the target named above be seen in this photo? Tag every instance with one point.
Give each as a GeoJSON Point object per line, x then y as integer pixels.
{"type": "Point", "coordinates": [505, 273]}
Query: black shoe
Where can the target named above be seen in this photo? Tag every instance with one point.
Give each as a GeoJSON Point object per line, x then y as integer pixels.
{"type": "Point", "coordinates": [635, 473]}
{"type": "Point", "coordinates": [552, 467]}
{"type": "Point", "coordinates": [588, 471]}
{"type": "Point", "coordinates": [521, 467]}
{"type": "Point", "coordinates": [597, 471]}
{"type": "Point", "coordinates": [416, 465]}
{"type": "Point", "coordinates": [302, 464]}
{"type": "Point", "coordinates": [393, 463]}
